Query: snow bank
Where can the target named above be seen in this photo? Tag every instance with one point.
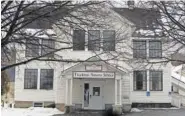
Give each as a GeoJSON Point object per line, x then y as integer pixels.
{"type": "Point", "coordinates": [32, 111]}
{"type": "Point", "coordinates": [136, 110]}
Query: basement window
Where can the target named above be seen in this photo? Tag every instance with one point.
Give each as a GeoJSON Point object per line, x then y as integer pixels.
{"type": "Point", "coordinates": [38, 104]}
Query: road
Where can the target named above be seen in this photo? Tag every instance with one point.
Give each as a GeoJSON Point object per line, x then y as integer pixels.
{"type": "Point", "coordinates": [165, 112]}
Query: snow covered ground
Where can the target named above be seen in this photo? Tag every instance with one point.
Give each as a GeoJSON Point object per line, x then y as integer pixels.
{"type": "Point", "coordinates": [158, 112]}
{"type": "Point", "coordinates": [32, 111]}
{"type": "Point", "coordinates": [136, 110]}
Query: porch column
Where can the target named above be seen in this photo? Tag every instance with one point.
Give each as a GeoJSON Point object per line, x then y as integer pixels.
{"type": "Point", "coordinates": [116, 94]}
{"type": "Point", "coordinates": [71, 91]}
{"type": "Point", "coordinates": [66, 95]}
{"type": "Point", "coordinates": [120, 90]}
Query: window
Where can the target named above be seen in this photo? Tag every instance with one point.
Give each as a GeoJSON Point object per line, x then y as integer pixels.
{"type": "Point", "coordinates": [139, 49]}
{"type": "Point", "coordinates": [32, 48]}
{"type": "Point", "coordinates": [94, 40]}
{"type": "Point", "coordinates": [78, 40]}
{"type": "Point", "coordinates": [140, 80]}
{"type": "Point", "coordinates": [108, 40]}
{"type": "Point", "coordinates": [96, 91]}
{"type": "Point", "coordinates": [30, 79]}
{"type": "Point", "coordinates": [46, 79]}
{"type": "Point", "coordinates": [155, 49]}
{"type": "Point", "coordinates": [156, 81]}
{"type": "Point", "coordinates": [47, 47]}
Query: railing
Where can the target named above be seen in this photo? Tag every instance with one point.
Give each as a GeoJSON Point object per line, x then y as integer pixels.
{"type": "Point", "coordinates": [178, 100]}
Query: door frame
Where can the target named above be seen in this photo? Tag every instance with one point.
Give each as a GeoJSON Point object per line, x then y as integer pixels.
{"type": "Point", "coordinates": [83, 94]}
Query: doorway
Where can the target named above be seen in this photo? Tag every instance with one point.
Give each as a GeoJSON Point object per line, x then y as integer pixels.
{"type": "Point", "coordinates": [93, 95]}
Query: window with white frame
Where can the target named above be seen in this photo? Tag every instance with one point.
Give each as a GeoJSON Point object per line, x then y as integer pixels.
{"type": "Point", "coordinates": [46, 78]}
{"type": "Point", "coordinates": [78, 40]}
{"type": "Point", "coordinates": [156, 81]}
{"type": "Point", "coordinates": [108, 40]}
{"type": "Point", "coordinates": [155, 49]}
{"type": "Point", "coordinates": [48, 46]}
{"type": "Point", "coordinates": [32, 47]}
{"type": "Point", "coordinates": [140, 80]}
{"type": "Point", "coordinates": [94, 40]}
{"type": "Point", "coordinates": [139, 49]}
{"type": "Point", "coordinates": [30, 78]}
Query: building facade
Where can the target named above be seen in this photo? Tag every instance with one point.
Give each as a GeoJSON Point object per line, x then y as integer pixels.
{"type": "Point", "coordinates": [116, 71]}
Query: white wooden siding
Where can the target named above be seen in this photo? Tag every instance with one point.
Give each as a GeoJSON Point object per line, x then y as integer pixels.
{"type": "Point", "coordinates": [22, 94]}
{"type": "Point", "coordinates": [124, 30]}
{"type": "Point", "coordinates": [155, 96]}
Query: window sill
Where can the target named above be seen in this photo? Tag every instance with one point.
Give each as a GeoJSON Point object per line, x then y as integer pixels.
{"type": "Point", "coordinates": [38, 89]}
{"type": "Point", "coordinates": [46, 89]}
{"type": "Point", "coordinates": [139, 90]}
{"type": "Point", "coordinates": [156, 90]}
{"type": "Point", "coordinates": [154, 58]}
{"type": "Point", "coordinates": [139, 58]}
{"type": "Point", "coordinates": [30, 89]}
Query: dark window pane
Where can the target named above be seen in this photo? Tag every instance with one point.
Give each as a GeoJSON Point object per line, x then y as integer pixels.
{"type": "Point", "coordinates": [47, 47]}
{"type": "Point", "coordinates": [46, 79]}
{"type": "Point", "coordinates": [140, 82]}
{"type": "Point", "coordinates": [32, 48]}
{"type": "Point", "coordinates": [94, 40]}
{"type": "Point", "coordinates": [156, 80]}
{"type": "Point", "coordinates": [78, 40]}
{"type": "Point", "coordinates": [108, 40]}
{"type": "Point", "coordinates": [139, 49]}
{"type": "Point", "coordinates": [96, 91]}
{"type": "Point", "coordinates": [30, 79]}
{"type": "Point", "coordinates": [155, 49]}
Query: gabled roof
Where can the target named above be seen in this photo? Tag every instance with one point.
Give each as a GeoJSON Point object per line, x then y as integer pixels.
{"type": "Point", "coordinates": [93, 59]}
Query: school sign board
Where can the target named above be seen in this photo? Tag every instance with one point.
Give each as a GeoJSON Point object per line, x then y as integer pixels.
{"type": "Point", "coordinates": [93, 74]}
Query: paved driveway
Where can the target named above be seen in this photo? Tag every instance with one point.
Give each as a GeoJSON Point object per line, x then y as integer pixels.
{"type": "Point", "coordinates": [166, 112]}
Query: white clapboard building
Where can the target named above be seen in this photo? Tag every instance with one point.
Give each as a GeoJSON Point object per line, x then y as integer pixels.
{"type": "Point", "coordinates": [101, 82]}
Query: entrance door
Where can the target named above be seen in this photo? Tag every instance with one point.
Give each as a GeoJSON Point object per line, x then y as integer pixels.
{"type": "Point", "coordinates": [96, 96]}
{"type": "Point", "coordinates": [93, 96]}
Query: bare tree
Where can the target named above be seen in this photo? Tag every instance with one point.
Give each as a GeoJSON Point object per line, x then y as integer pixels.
{"type": "Point", "coordinates": [166, 21]}
{"type": "Point", "coordinates": [5, 87]}
{"type": "Point", "coordinates": [173, 25]}
{"type": "Point", "coordinates": [18, 16]}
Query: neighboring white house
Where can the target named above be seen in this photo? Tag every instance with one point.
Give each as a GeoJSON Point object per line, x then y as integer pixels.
{"type": "Point", "coordinates": [122, 83]}
{"type": "Point", "coordinates": [178, 85]}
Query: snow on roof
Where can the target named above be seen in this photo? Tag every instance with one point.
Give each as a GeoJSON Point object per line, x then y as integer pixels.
{"type": "Point", "coordinates": [144, 32]}
{"type": "Point", "coordinates": [42, 33]}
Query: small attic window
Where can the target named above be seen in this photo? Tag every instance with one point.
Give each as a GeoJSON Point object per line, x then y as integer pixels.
{"type": "Point", "coordinates": [38, 104]}
{"type": "Point", "coordinates": [130, 4]}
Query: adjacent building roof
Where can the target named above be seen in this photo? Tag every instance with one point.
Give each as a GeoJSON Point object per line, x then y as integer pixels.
{"type": "Point", "coordinates": [142, 18]}
{"type": "Point", "coordinates": [145, 20]}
